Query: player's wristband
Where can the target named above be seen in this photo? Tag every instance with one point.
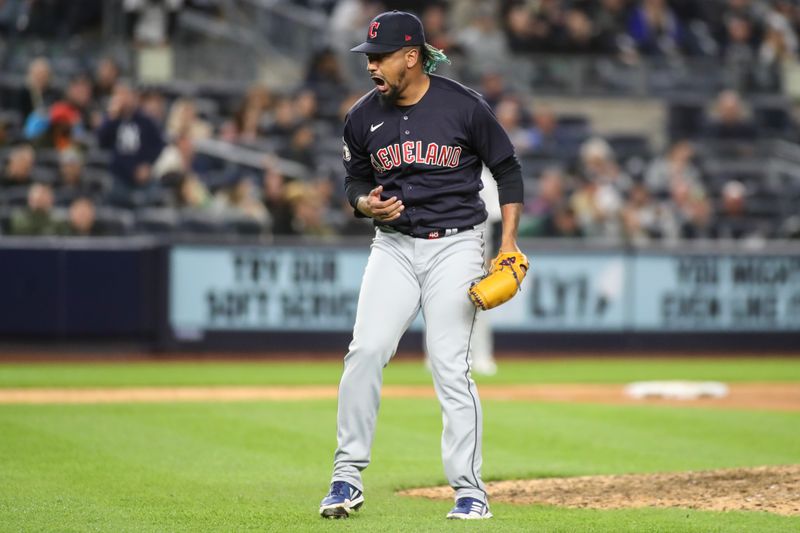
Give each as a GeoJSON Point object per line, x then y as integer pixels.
{"type": "Point", "coordinates": [356, 188]}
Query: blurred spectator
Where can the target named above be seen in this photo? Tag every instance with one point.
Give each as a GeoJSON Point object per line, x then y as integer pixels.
{"type": "Point", "coordinates": [493, 88]}
{"type": "Point", "coordinates": [275, 200]}
{"type": "Point", "coordinates": [183, 120]}
{"type": "Point", "coordinates": [740, 42]}
{"type": "Point", "coordinates": [539, 210]}
{"type": "Point", "coordinates": [580, 36]}
{"type": "Point", "coordinates": [549, 193]}
{"type": "Point", "coordinates": [82, 219]}
{"type": "Point", "coordinates": [546, 135]}
{"type": "Point", "coordinates": [790, 228]}
{"type": "Point", "coordinates": [780, 41]}
{"type": "Point", "coordinates": [676, 164]}
{"type": "Point", "coordinates": [176, 158]}
{"type": "Point", "coordinates": [228, 131]}
{"type": "Point", "coordinates": [597, 208]}
{"type": "Point", "coordinates": [302, 148]}
{"type": "Point", "coordinates": [549, 25]}
{"type": "Point", "coordinates": [348, 20]}
{"type": "Point", "coordinates": [644, 220]}
{"type": "Point", "coordinates": [699, 224]}
{"type": "Point", "coordinates": [719, 15]}
{"type": "Point", "coordinates": [154, 106]}
{"type": "Point", "coordinates": [70, 184]}
{"type": "Point", "coordinates": [49, 18]}
{"type": "Point", "coordinates": [242, 198]}
{"type": "Point", "coordinates": [149, 21]}
{"type": "Point", "coordinates": [509, 115]}
{"type": "Point", "coordinates": [562, 223]}
{"type": "Point", "coordinates": [64, 128]}
{"type": "Point", "coordinates": [257, 103]}
{"type": "Point", "coordinates": [329, 191]}
{"type": "Point", "coordinates": [655, 29]}
{"type": "Point", "coordinates": [135, 143]}
{"type": "Point", "coordinates": [283, 121]}
{"type": "Point", "coordinates": [305, 106]}
{"type": "Point", "coordinates": [5, 128]}
{"type": "Point", "coordinates": [37, 93]}
{"type": "Point", "coordinates": [192, 193]}
{"type": "Point", "coordinates": [682, 197]}
{"type": "Point", "coordinates": [730, 120]}
{"type": "Point", "coordinates": [347, 103]}
{"type": "Point", "coordinates": [308, 211]}
{"type": "Point", "coordinates": [37, 218]}
{"type": "Point", "coordinates": [434, 20]}
{"type": "Point", "coordinates": [789, 11]}
{"type": "Point", "coordinates": [778, 48]}
{"type": "Point", "coordinates": [523, 32]}
{"type": "Point", "coordinates": [598, 164]}
{"type": "Point", "coordinates": [8, 17]}
{"type": "Point", "coordinates": [106, 76]}
{"type": "Point", "coordinates": [325, 79]}
{"type": "Point", "coordinates": [482, 41]}
{"type": "Point", "coordinates": [245, 125]}
{"type": "Point", "coordinates": [19, 167]}
{"type": "Point", "coordinates": [732, 221]}
{"type": "Point", "coordinates": [611, 18]}
{"type": "Point", "coordinates": [78, 97]}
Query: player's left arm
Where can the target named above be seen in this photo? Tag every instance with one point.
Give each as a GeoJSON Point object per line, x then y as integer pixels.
{"type": "Point", "coordinates": [510, 266]}
{"type": "Point", "coordinates": [493, 146]}
{"type": "Point", "coordinates": [510, 213]}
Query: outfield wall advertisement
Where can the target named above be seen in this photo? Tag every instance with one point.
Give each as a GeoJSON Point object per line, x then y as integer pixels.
{"type": "Point", "coordinates": [716, 293]}
{"type": "Point", "coordinates": [214, 288]}
{"type": "Point", "coordinates": [316, 289]}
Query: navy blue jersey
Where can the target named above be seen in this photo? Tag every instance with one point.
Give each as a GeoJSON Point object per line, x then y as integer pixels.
{"type": "Point", "coordinates": [428, 155]}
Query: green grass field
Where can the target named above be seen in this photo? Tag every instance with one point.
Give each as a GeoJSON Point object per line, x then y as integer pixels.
{"type": "Point", "coordinates": [264, 466]}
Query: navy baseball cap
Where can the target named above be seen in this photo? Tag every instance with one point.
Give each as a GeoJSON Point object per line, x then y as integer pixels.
{"type": "Point", "coordinates": [391, 31]}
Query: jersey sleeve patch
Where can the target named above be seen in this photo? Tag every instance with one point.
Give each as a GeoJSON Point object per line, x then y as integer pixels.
{"type": "Point", "coordinates": [345, 151]}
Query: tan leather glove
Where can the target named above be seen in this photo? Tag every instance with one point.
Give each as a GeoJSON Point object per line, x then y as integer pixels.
{"type": "Point", "coordinates": [503, 281]}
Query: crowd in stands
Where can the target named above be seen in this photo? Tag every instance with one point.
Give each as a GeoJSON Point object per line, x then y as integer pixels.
{"type": "Point", "coordinates": [756, 36]}
{"type": "Point", "coordinates": [97, 154]}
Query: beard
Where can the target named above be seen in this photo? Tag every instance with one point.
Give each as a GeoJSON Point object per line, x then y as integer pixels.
{"type": "Point", "coordinates": [389, 98]}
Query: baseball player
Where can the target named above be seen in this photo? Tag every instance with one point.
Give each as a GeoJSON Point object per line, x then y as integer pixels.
{"type": "Point", "coordinates": [413, 151]}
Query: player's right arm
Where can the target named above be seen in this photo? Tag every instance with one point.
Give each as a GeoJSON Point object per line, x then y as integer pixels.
{"type": "Point", "coordinates": [359, 183]}
{"type": "Point", "coordinates": [372, 206]}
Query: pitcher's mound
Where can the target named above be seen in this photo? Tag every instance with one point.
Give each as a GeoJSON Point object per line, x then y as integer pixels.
{"type": "Point", "coordinates": [775, 489]}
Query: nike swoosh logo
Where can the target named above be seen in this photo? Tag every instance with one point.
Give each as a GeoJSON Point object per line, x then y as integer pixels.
{"type": "Point", "coordinates": [373, 127]}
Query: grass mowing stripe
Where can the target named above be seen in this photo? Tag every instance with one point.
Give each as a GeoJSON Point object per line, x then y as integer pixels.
{"type": "Point", "coordinates": [263, 466]}
{"type": "Point", "coordinates": [589, 439]}
{"type": "Point", "coordinates": [398, 372]}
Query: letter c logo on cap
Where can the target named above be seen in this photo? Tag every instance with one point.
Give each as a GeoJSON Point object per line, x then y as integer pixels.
{"type": "Point", "coordinates": [373, 29]}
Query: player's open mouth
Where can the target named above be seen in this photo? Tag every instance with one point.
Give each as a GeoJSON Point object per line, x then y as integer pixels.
{"type": "Point", "coordinates": [381, 84]}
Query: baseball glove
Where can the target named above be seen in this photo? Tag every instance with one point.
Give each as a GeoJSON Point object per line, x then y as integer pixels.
{"type": "Point", "coordinates": [503, 281]}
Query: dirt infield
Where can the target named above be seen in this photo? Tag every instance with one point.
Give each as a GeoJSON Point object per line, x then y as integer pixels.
{"type": "Point", "coordinates": [772, 396]}
{"type": "Point", "coordinates": [775, 489]}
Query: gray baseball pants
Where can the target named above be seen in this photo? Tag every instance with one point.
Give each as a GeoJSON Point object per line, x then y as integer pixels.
{"type": "Point", "coordinates": [404, 274]}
